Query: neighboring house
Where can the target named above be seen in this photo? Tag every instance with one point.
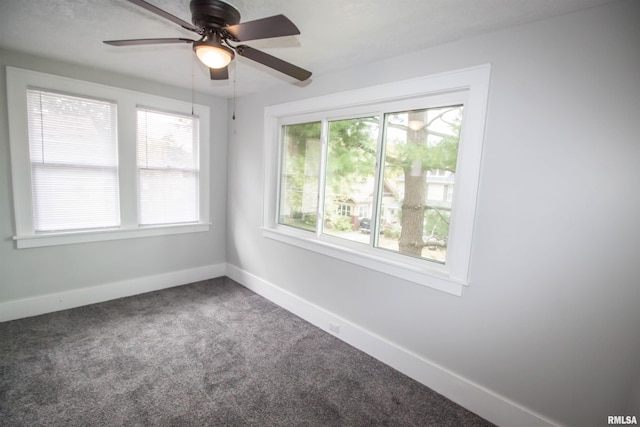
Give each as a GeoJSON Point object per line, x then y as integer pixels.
{"type": "Point", "coordinates": [359, 203]}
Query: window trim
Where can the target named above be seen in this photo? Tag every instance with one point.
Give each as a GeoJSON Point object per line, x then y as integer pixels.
{"type": "Point", "coordinates": [18, 80]}
{"type": "Point", "coordinates": [474, 83]}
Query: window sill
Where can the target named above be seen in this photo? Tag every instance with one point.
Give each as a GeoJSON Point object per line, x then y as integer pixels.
{"type": "Point", "coordinates": [421, 275]}
{"type": "Point", "coordinates": [53, 239]}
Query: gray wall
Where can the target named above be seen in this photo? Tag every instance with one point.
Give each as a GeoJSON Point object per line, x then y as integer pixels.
{"type": "Point", "coordinates": [33, 272]}
{"type": "Point", "coordinates": [551, 318]}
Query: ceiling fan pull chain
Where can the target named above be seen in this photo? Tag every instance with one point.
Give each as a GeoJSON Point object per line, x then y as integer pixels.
{"type": "Point", "coordinates": [192, 84]}
{"type": "Point", "coordinates": [235, 76]}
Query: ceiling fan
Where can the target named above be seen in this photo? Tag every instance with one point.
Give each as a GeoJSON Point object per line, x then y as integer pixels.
{"type": "Point", "coordinates": [218, 24]}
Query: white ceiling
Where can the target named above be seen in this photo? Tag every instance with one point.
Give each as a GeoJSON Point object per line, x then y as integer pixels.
{"type": "Point", "coordinates": [335, 34]}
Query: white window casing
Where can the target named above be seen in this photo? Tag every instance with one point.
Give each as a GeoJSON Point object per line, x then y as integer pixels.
{"type": "Point", "coordinates": [127, 103]}
{"type": "Point", "coordinates": [469, 87]}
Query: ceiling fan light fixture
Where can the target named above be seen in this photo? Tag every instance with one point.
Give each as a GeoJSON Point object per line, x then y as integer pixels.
{"type": "Point", "coordinates": [217, 22]}
{"type": "Point", "coordinates": [212, 54]}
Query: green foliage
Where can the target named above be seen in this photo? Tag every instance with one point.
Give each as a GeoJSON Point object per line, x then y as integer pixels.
{"type": "Point", "coordinates": [351, 153]}
{"type": "Point", "coordinates": [437, 223]}
{"type": "Point", "coordinates": [295, 182]}
{"type": "Point", "coordinates": [305, 221]}
{"type": "Point", "coordinates": [342, 223]}
{"type": "Point", "coordinates": [298, 145]}
{"type": "Point", "coordinates": [296, 137]}
{"type": "Point", "coordinates": [435, 146]}
{"type": "Point", "coordinates": [309, 219]}
{"type": "Point", "coordinates": [351, 159]}
{"type": "Point", "coordinates": [391, 234]}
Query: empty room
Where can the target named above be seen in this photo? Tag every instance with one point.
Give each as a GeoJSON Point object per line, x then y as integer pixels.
{"type": "Point", "coordinates": [319, 213]}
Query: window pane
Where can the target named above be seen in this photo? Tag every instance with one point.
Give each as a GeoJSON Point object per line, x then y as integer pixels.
{"type": "Point", "coordinates": [167, 147]}
{"type": "Point", "coordinates": [349, 185]}
{"type": "Point", "coordinates": [74, 159]}
{"type": "Point", "coordinates": [68, 198]}
{"type": "Point", "coordinates": [166, 140]}
{"type": "Point", "coordinates": [167, 196]}
{"type": "Point", "coordinates": [300, 175]}
{"type": "Point", "coordinates": [66, 129]}
{"type": "Point", "coordinates": [421, 151]}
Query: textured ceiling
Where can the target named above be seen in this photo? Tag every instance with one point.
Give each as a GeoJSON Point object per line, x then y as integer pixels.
{"type": "Point", "coordinates": [335, 33]}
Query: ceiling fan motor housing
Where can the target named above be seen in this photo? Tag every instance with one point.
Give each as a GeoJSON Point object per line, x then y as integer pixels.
{"type": "Point", "coordinates": [217, 23]}
{"type": "Point", "coordinates": [213, 14]}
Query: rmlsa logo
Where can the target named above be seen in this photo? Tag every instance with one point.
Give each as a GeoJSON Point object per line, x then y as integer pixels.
{"type": "Point", "coordinates": [622, 419]}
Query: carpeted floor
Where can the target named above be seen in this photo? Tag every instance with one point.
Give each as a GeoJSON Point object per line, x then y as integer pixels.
{"type": "Point", "coordinates": [210, 353]}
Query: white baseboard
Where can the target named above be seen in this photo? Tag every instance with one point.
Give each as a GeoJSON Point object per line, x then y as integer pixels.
{"type": "Point", "coordinates": [34, 306]}
{"type": "Point", "coordinates": [489, 405]}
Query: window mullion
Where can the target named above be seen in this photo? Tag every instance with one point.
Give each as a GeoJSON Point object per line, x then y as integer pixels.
{"type": "Point", "coordinates": [127, 165]}
{"type": "Point", "coordinates": [378, 183]}
{"type": "Point", "coordinates": [275, 214]}
{"type": "Point", "coordinates": [324, 138]}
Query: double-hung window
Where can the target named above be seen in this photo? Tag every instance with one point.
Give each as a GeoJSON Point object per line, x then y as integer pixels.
{"type": "Point", "coordinates": [73, 155]}
{"type": "Point", "coordinates": [167, 146]}
{"type": "Point", "coordinates": [384, 177]}
{"type": "Point", "coordinates": [93, 162]}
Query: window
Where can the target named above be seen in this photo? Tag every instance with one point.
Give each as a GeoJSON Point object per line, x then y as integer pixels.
{"type": "Point", "coordinates": [300, 175]}
{"type": "Point", "coordinates": [167, 167]}
{"type": "Point", "coordinates": [343, 210]}
{"type": "Point", "coordinates": [407, 155]}
{"type": "Point", "coordinates": [74, 162]}
{"type": "Point", "coordinates": [93, 162]}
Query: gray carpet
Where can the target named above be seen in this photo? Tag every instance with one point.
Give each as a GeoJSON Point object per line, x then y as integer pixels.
{"type": "Point", "coordinates": [206, 354]}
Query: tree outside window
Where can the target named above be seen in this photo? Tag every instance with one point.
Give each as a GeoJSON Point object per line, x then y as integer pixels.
{"type": "Point", "coordinates": [409, 195]}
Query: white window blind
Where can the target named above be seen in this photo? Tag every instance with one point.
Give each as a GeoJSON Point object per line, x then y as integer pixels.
{"type": "Point", "coordinates": [74, 162]}
{"type": "Point", "coordinates": [168, 174]}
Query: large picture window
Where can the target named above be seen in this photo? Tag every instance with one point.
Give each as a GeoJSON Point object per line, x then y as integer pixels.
{"type": "Point", "coordinates": [385, 177]}
{"type": "Point", "coordinates": [91, 162]}
{"type": "Point", "coordinates": [404, 192]}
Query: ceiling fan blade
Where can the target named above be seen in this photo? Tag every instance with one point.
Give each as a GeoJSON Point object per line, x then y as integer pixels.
{"type": "Point", "coordinates": [219, 73]}
{"type": "Point", "coordinates": [135, 42]}
{"type": "Point", "coordinates": [273, 62]}
{"type": "Point", "coordinates": [166, 15]}
{"type": "Point", "coordinates": [274, 26]}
